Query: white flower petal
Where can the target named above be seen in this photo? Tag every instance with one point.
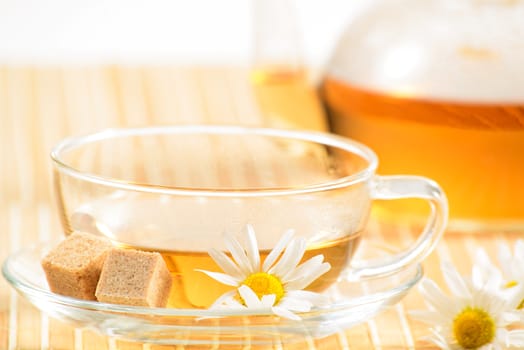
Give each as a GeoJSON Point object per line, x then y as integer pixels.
{"type": "Point", "coordinates": [519, 248]}
{"type": "Point", "coordinates": [226, 264]}
{"type": "Point", "coordinates": [513, 265]}
{"type": "Point", "coordinates": [516, 273]}
{"type": "Point", "coordinates": [223, 298]}
{"type": "Point", "coordinates": [455, 282]}
{"type": "Point", "coordinates": [511, 317]}
{"type": "Point", "coordinates": [484, 273]}
{"type": "Point", "coordinates": [304, 268]}
{"type": "Point", "coordinates": [295, 304]}
{"type": "Point", "coordinates": [501, 336]}
{"type": "Point", "coordinates": [478, 277]}
{"type": "Point", "coordinates": [482, 258]}
{"type": "Point", "coordinates": [221, 277]}
{"type": "Point", "coordinates": [282, 312]}
{"type": "Point", "coordinates": [275, 253]}
{"type": "Point", "coordinates": [249, 296]}
{"type": "Point", "coordinates": [252, 249]}
{"type": "Point", "coordinates": [439, 340]}
{"type": "Point", "coordinates": [232, 303]}
{"type": "Point", "coordinates": [307, 279]}
{"type": "Point", "coordinates": [494, 305]}
{"type": "Point", "coordinates": [290, 259]}
{"type": "Point", "coordinates": [516, 297]}
{"type": "Point", "coordinates": [239, 255]}
{"type": "Point", "coordinates": [268, 300]}
{"type": "Point", "coordinates": [433, 318]}
{"type": "Point", "coordinates": [315, 299]}
{"type": "Point", "coordinates": [515, 338]}
{"type": "Point", "coordinates": [433, 294]}
{"type": "Point", "coordinates": [504, 256]}
{"type": "Point", "coordinates": [494, 281]}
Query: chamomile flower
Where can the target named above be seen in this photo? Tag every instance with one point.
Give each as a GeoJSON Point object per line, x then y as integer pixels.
{"type": "Point", "coordinates": [274, 285]}
{"type": "Point", "coordinates": [512, 264]}
{"type": "Point", "coordinates": [512, 274]}
{"type": "Point", "coordinates": [473, 318]}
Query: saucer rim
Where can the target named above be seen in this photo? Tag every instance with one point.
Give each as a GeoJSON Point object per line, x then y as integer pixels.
{"type": "Point", "coordinates": [26, 288]}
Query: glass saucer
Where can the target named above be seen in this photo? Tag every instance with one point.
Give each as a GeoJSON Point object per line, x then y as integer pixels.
{"type": "Point", "coordinates": [353, 302]}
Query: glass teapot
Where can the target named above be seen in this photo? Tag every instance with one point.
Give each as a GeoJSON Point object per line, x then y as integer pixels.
{"type": "Point", "coordinates": [436, 87]}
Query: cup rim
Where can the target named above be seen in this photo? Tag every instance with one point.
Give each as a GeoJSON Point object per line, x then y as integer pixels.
{"type": "Point", "coordinates": [323, 138]}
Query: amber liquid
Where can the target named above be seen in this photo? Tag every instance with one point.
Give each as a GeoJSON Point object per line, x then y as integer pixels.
{"type": "Point", "coordinates": [475, 151]}
{"type": "Point", "coordinates": [286, 99]}
{"type": "Point", "coordinates": [194, 289]}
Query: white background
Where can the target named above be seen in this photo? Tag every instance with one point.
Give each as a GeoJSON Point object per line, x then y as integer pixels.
{"type": "Point", "coordinates": [158, 30]}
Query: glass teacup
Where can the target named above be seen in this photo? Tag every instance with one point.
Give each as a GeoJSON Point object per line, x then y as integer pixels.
{"type": "Point", "coordinates": [178, 189]}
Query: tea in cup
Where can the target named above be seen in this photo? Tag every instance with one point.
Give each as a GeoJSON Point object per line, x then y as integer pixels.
{"type": "Point", "coordinates": [178, 189]}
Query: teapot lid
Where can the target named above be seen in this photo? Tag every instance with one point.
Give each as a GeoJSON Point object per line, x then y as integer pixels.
{"type": "Point", "coordinates": [467, 50]}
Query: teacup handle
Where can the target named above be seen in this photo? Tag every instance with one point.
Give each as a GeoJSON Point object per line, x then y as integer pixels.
{"type": "Point", "coordinates": [399, 187]}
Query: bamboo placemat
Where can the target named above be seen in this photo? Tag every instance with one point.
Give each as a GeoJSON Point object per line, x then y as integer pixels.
{"type": "Point", "coordinates": [39, 106]}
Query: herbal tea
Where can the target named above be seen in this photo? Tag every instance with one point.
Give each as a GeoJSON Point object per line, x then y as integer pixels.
{"type": "Point", "coordinates": [194, 289]}
{"type": "Point", "coordinates": [475, 151]}
{"type": "Point", "coordinates": [138, 222]}
{"type": "Point", "coordinates": [277, 90]}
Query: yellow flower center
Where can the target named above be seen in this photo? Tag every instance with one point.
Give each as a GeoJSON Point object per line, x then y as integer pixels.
{"type": "Point", "coordinates": [263, 283]}
{"type": "Point", "coordinates": [473, 328]}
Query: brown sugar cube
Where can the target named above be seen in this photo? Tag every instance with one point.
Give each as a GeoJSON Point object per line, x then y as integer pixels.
{"type": "Point", "coordinates": [134, 277]}
{"type": "Point", "coordinates": [73, 267]}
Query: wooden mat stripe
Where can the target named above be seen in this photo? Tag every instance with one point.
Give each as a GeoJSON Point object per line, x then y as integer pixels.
{"type": "Point", "coordinates": [39, 106]}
